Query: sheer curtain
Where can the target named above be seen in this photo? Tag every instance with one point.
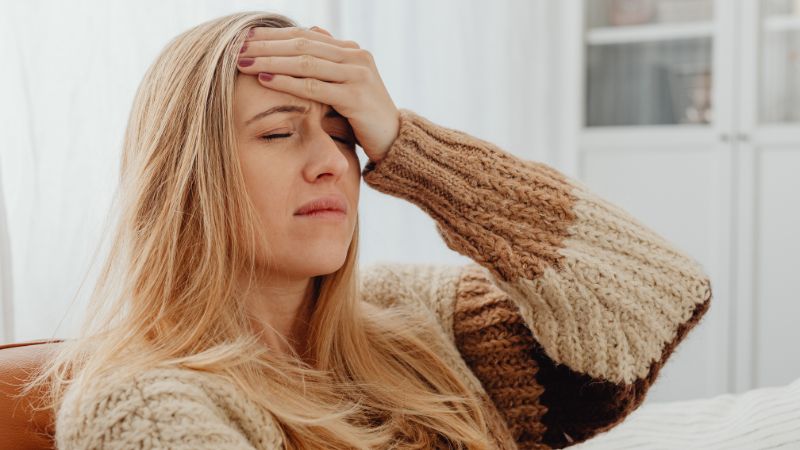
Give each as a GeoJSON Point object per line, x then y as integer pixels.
{"type": "Point", "coordinates": [71, 70]}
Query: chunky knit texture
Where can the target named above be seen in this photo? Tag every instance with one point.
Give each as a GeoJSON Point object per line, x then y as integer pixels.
{"type": "Point", "coordinates": [560, 325]}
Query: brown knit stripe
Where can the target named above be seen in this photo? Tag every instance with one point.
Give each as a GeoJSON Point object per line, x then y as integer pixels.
{"type": "Point", "coordinates": [510, 217]}
{"type": "Point", "coordinates": [494, 342]}
{"type": "Point", "coordinates": [580, 406]}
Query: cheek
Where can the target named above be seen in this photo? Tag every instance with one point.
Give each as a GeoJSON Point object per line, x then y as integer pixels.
{"type": "Point", "coordinates": [267, 188]}
{"type": "Point", "coordinates": [354, 175]}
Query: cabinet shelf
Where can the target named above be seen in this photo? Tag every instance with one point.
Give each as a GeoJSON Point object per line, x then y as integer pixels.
{"type": "Point", "coordinates": [648, 136]}
{"type": "Point", "coordinates": [782, 23]}
{"type": "Point", "coordinates": [649, 33]}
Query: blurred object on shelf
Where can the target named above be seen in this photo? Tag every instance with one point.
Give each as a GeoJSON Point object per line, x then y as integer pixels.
{"type": "Point", "coordinates": [630, 84]}
{"type": "Point", "coordinates": [780, 70]}
{"type": "Point", "coordinates": [690, 89]}
{"type": "Point", "coordinates": [683, 10]}
{"type": "Point", "coordinates": [631, 12]}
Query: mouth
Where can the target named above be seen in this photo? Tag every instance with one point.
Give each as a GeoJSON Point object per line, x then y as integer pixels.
{"type": "Point", "coordinates": [327, 206]}
{"type": "Point", "coordinates": [324, 214]}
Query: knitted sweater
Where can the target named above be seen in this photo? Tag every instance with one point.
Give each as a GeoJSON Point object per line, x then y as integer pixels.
{"type": "Point", "coordinates": [561, 323]}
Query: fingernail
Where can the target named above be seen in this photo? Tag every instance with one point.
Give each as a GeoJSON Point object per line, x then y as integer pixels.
{"type": "Point", "coordinates": [265, 76]}
{"type": "Point", "coordinates": [244, 47]}
{"type": "Point", "coordinates": [244, 62]}
{"type": "Point", "coordinates": [251, 32]}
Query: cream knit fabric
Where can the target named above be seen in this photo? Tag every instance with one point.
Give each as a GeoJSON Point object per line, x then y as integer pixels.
{"type": "Point", "coordinates": [562, 323]}
{"type": "Point", "coordinates": [160, 409]}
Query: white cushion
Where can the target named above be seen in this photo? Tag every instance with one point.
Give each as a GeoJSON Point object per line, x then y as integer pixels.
{"type": "Point", "coordinates": [764, 418]}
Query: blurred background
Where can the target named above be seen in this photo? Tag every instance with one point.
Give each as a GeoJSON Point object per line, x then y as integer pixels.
{"type": "Point", "coordinates": [684, 112]}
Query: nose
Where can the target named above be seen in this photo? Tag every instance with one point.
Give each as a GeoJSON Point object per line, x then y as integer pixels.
{"type": "Point", "coordinates": [325, 157]}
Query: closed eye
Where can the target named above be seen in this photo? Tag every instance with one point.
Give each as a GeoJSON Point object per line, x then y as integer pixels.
{"type": "Point", "coordinates": [272, 137]}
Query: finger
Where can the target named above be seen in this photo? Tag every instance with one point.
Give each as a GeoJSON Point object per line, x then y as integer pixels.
{"type": "Point", "coordinates": [311, 88]}
{"type": "Point", "coordinates": [321, 30]}
{"type": "Point", "coordinates": [301, 66]}
{"type": "Point", "coordinates": [344, 43]}
{"type": "Point", "coordinates": [297, 46]}
{"type": "Point", "coordinates": [269, 33]}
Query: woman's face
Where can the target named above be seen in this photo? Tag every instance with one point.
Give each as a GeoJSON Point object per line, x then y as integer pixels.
{"type": "Point", "coordinates": [284, 173]}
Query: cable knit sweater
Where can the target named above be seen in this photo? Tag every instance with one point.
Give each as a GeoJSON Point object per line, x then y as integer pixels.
{"type": "Point", "coordinates": [561, 324]}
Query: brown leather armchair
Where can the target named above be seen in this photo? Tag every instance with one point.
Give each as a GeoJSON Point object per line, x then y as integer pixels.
{"type": "Point", "coordinates": [20, 427]}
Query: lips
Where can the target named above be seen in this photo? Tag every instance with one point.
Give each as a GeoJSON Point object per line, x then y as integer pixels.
{"type": "Point", "coordinates": [326, 203]}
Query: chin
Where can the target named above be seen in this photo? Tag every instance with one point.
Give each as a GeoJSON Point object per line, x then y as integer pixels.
{"type": "Point", "coordinates": [331, 265]}
{"type": "Point", "coordinates": [323, 262]}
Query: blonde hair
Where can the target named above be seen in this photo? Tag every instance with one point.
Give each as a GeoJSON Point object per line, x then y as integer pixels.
{"type": "Point", "coordinates": [165, 295]}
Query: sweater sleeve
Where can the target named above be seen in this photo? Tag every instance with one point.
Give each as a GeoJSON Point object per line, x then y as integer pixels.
{"type": "Point", "coordinates": [571, 307]}
{"type": "Point", "coordinates": [161, 408]}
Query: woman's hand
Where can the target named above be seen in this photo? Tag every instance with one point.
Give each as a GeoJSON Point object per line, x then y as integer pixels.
{"type": "Point", "coordinates": [316, 66]}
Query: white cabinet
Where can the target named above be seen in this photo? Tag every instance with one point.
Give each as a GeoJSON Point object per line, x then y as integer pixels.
{"type": "Point", "coordinates": [687, 114]}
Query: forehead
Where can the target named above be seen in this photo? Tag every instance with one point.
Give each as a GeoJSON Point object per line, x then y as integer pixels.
{"type": "Point", "coordinates": [251, 98]}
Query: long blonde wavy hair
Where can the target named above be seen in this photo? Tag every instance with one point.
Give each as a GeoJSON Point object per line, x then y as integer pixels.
{"type": "Point", "coordinates": [165, 294]}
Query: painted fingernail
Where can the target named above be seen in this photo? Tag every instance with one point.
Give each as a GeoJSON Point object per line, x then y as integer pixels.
{"type": "Point", "coordinates": [244, 62]}
{"type": "Point", "coordinates": [265, 76]}
{"type": "Point", "coordinates": [251, 32]}
{"type": "Point", "coordinates": [244, 47]}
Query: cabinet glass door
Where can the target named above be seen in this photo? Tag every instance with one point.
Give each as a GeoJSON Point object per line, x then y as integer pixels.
{"type": "Point", "coordinates": [779, 80]}
{"type": "Point", "coordinates": [649, 62]}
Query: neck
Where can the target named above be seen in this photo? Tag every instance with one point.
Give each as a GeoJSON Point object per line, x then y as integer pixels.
{"type": "Point", "coordinates": [281, 308]}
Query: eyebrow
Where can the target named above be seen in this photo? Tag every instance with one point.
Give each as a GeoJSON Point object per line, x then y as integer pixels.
{"type": "Point", "coordinates": [290, 109]}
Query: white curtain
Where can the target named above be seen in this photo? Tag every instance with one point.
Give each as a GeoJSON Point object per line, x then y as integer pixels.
{"type": "Point", "coordinates": [70, 70]}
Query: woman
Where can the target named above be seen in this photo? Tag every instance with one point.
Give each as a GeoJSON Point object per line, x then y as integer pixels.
{"type": "Point", "coordinates": [231, 315]}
